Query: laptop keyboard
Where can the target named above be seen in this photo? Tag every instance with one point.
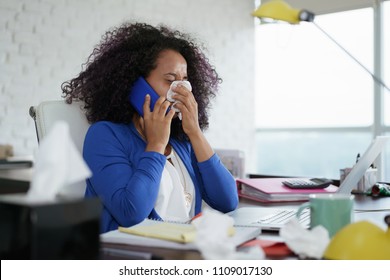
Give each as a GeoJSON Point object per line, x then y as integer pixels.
{"type": "Point", "coordinates": [283, 216]}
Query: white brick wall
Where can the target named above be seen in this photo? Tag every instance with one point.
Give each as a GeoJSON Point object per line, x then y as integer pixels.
{"type": "Point", "coordinates": [44, 42]}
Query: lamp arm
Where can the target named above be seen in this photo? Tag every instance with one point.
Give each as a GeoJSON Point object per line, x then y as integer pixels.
{"type": "Point", "coordinates": [377, 79]}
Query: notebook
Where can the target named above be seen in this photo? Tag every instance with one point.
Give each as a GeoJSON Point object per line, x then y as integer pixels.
{"type": "Point", "coordinates": [177, 232]}
{"type": "Point", "coordinates": [172, 235]}
{"type": "Point", "coordinates": [271, 218]}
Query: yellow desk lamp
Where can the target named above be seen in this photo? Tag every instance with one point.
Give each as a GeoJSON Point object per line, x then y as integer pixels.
{"type": "Point", "coordinates": [281, 11]}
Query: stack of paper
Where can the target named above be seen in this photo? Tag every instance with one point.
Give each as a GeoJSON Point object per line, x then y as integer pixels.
{"type": "Point", "coordinates": [10, 163]}
{"type": "Point", "coordinates": [160, 234]}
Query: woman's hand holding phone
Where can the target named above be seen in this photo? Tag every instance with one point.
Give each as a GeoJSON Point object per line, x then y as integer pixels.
{"type": "Point", "coordinates": [156, 121]}
{"type": "Point", "coordinates": [156, 124]}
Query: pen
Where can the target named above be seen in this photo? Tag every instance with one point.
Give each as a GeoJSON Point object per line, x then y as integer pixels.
{"type": "Point", "coordinates": [196, 216]}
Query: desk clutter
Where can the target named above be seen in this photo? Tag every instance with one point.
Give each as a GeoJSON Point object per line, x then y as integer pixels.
{"type": "Point", "coordinates": [379, 189]}
{"type": "Point", "coordinates": [358, 240]}
{"type": "Point", "coordinates": [8, 161]}
{"type": "Point", "coordinates": [332, 231]}
{"type": "Point", "coordinates": [212, 234]}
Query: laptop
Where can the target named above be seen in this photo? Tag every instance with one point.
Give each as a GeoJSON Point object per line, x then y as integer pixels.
{"type": "Point", "coordinates": [273, 219]}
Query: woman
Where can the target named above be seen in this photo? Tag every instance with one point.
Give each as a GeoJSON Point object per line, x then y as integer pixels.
{"type": "Point", "coordinates": [157, 166]}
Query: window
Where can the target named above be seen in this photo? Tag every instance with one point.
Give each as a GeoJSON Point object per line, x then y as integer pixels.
{"type": "Point", "coordinates": [386, 58]}
{"type": "Point", "coordinates": [314, 104]}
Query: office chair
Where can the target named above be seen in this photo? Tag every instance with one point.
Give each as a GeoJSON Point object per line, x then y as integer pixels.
{"type": "Point", "coordinates": [47, 113]}
{"type": "Point", "coordinates": [234, 161]}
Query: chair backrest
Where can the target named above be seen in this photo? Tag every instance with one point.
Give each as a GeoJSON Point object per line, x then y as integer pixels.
{"type": "Point", "coordinates": [47, 113]}
{"type": "Point", "coordinates": [234, 161]}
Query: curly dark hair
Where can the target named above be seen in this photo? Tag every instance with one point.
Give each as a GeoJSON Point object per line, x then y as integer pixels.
{"type": "Point", "coordinates": [128, 52]}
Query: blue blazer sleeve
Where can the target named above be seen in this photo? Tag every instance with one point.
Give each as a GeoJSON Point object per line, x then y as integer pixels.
{"type": "Point", "coordinates": [125, 177]}
{"type": "Point", "coordinates": [219, 189]}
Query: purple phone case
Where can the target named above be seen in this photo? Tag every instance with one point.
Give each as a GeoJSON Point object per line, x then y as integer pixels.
{"type": "Point", "coordinates": [138, 93]}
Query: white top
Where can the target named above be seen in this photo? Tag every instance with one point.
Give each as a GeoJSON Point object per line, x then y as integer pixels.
{"type": "Point", "coordinates": [172, 202]}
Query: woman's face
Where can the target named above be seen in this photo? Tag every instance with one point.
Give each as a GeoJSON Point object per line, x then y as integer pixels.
{"type": "Point", "coordinates": [171, 66]}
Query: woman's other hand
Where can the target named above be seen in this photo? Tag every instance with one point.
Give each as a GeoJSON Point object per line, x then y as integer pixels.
{"type": "Point", "coordinates": [189, 110]}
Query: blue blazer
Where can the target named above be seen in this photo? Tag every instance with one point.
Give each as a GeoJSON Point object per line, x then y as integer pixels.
{"type": "Point", "coordinates": [127, 179]}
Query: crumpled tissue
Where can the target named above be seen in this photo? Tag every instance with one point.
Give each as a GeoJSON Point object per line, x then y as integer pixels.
{"type": "Point", "coordinates": [57, 165]}
{"type": "Point", "coordinates": [213, 240]}
{"type": "Point", "coordinates": [305, 243]}
{"type": "Point", "coordinates": [170, 94]}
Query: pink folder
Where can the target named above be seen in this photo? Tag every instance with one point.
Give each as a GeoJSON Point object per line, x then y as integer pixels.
{"type": "Point", "coordinates": [273, 190]}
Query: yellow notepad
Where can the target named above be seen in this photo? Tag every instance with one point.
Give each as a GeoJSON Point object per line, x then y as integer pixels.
{"type": "Point", "coordinates": [183, 233]}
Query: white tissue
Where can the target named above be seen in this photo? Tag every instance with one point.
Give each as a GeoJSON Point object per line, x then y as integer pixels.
{"type": "Point", "coordinates": [305, 243]}
{"type": "Point", "coordinates": [170, 93]}
{"type": "Point", "coordinates": [213, 241]}
{"type": "Point", "coordinates": [58, 164]}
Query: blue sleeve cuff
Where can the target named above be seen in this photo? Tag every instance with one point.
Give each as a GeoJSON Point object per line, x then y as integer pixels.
{"type": "Point", "coordinates": [152, 162]}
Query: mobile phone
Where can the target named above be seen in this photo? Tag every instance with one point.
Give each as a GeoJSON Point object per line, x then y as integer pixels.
{"type": "Point", "coordinates": [137, 95]}
{"type": "Point", "coordinates": [313, 183]}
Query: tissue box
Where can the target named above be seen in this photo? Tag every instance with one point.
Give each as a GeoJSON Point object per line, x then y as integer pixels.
{"type": "Point", "coordinates": [52, 231]}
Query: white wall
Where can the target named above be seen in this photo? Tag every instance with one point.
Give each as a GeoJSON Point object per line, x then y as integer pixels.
{"type": "Point", "coordinates": [44, 42]}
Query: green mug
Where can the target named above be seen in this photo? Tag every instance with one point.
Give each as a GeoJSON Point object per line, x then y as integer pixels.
{"type": "Point", "coordinates": [332, 211]}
